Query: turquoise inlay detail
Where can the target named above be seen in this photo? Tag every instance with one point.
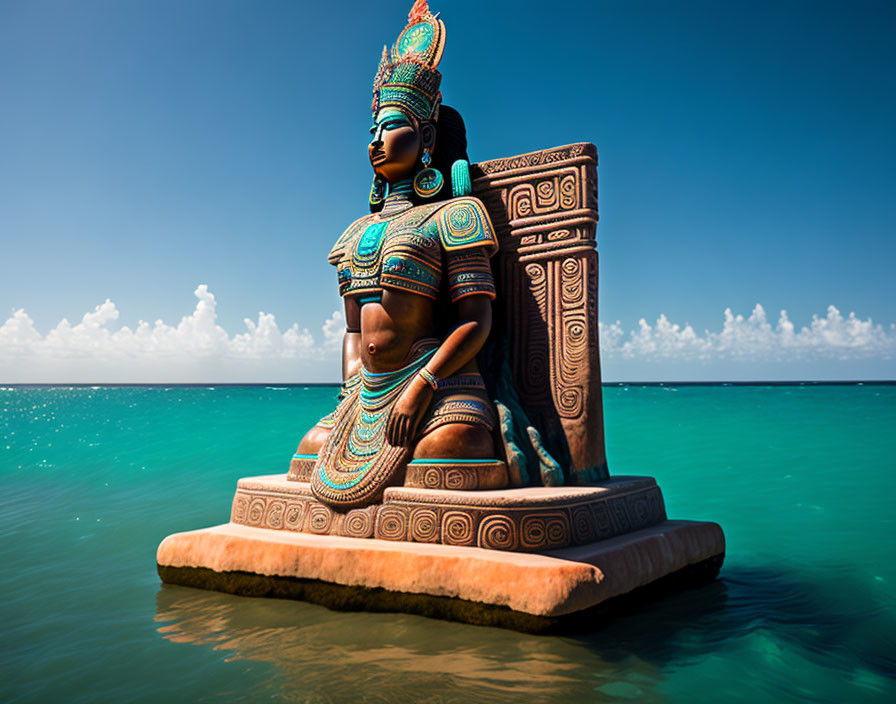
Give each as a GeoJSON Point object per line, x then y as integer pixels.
{"type": "Point", "coordinates": [416, 38]}
{"type": "Point", "coordinates": [401, 188]}
{"type": "Point", "coordinates": [428, 182]}
{"type": "Point", "coordinates": [297, 456]}
{"type": "Point", "coordinates": [362, 454]}
{"type": "Point", "coordinates": [464, 223]}
{"type": "Point", "coordinates": [410, 269]}
{"type": "Point", "coordinates": [434, 461]}
{"type": "Point", "coordinates": [369, 243]}
{"type": "Point", "coordinates": [346, 485]}
{"type": "Point", "coordinates": [375, 298]}
{"type": "Point", "coordinates": [461, 185]}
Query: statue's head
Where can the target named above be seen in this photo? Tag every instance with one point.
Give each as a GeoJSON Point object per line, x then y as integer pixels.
{"type": "Point", "coordinates": [408, 115]}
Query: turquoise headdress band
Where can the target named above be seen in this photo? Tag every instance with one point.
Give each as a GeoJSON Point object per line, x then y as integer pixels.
{"type": "Point", "coordinates": [407, 78]}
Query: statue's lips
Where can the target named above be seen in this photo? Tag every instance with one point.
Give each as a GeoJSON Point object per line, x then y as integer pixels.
{"type": "Point", "coordinates": [377, 157]}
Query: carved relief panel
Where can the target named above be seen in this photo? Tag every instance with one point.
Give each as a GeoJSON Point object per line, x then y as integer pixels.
{"type": "Point", "coordinates": [544, 207]}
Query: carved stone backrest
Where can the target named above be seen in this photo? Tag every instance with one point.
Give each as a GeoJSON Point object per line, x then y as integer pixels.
{"type": "Point", "coordinates": [544, 208]}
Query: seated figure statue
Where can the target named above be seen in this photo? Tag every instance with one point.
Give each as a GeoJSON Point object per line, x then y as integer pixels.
{"type": "Point", "coordinates": [417, 288]}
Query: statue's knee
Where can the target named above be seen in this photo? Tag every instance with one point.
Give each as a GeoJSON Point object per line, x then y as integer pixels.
{"type": "Point", "coordinates": [456, 441]}
{"type": "Point", "coordinates": [314, 440]}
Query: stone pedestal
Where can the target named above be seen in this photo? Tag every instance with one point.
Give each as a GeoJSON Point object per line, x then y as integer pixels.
{"type": "Point", "coordinates": [525, 558]}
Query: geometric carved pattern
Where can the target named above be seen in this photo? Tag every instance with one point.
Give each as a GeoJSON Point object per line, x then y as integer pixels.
{"type": "Point", "coordinates": [455, 476]}
{"type": "Point", "coordinates": [544, 209]}
{"type": "Point", "coordinates": [526, 520]}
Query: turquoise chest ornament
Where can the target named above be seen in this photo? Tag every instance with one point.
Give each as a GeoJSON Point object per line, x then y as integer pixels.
{"type": "Point", "coordinates": [416, 249]}
{"type": "Point", "coordinates": [367, 250]}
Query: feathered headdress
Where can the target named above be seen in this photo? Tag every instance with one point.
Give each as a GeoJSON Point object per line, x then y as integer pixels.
{"type": "Point", "coordinates": [407, 77]}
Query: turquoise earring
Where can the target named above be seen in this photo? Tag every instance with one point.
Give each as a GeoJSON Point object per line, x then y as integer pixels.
{"type": "Point", "coordinates": [428, 181]}
{"type": "Point", "coordinates": [377, 193]}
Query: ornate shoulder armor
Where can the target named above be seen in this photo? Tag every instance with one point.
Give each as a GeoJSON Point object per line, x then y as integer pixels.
{"type": "Point", "coordinates": [463, 223]}
{"type": "Point", "coordinates": [343, 244]}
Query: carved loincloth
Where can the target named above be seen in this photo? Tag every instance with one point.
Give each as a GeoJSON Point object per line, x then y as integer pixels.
{"type": "Point", "coordinates": [357, 463]}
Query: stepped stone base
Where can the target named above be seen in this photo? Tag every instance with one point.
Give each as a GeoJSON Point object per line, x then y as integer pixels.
{"type": "Point", "coordinates": [532, 592]}
{"type": "Point", "coordinates": [528, 520]}
{"type": "Point", "coordinates": [523, 558]}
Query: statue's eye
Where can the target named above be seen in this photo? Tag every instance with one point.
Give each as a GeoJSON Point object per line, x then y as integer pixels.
{"type": "Point", "coordinates": [394, 124]}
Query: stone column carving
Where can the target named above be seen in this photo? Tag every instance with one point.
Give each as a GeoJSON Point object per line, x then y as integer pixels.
{"type": "Point", "coordinates": [544, 208]}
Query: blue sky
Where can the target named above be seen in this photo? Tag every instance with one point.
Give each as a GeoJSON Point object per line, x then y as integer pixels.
{"type": "Point", "coordinates": [146, 148]}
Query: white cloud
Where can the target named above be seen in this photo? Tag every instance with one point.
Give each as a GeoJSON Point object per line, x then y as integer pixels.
{"type": "Point", "coordinates": [334, 329]}
{"type": "Point", "coordinates": [752, 338]}
{"type": "Point", "coordinates": [198, 349]}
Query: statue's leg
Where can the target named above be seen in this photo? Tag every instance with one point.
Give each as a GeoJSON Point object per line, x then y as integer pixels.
{"type": "Point", "coordinates": [302, 462]}
{"type": "Point", "coordinates": [314, 440]}
{"type": "Point", "coordinates": [457, 449]}
{"type": "Point", "coordinates": [456, 441]}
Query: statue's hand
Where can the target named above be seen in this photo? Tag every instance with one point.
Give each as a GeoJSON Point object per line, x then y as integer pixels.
{"type": "Point", "coordinates": [407, 413]}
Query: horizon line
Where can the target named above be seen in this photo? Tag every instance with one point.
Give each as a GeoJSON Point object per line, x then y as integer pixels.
{"type": "Point", "coordinates": [291, 384]}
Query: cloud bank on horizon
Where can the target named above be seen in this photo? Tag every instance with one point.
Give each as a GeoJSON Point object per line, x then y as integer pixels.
{"type": "Point", "coordinates": [198, 349]}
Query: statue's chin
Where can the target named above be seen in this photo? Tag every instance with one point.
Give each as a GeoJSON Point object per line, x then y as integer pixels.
{"type": "Point", "coordinates": [390, 173]}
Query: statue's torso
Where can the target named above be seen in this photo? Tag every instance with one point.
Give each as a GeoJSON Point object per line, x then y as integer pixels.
{"type": "Point", "coordinates": [405, 251]}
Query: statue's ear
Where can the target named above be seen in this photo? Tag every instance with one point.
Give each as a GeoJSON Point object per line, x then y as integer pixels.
{"type": "Point", "coordinates": [428, 135]}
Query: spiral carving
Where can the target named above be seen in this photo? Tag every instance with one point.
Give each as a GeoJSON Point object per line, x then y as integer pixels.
{"type": "Point", "coordinates": [544, 530]}
{"type": "Point", "coordinates": [536, 275]}
{"type": "Point", "coordinates": [532, 533]}
{"type": "Point", "coordinates": [557, 530]}
{"type": "Point", "coordinates": [521, 201]}
{"type": "Point", "coordinates": [583, 526]}
{"type": "Point", "coordinates": [256, 512]}
{"type": "Point", "coordinates": [533, 345]}
{"type": "Point", "coordinates": [573, 287]}
{"type": "Point", "coordinates": [391, 523]}
{"type": "Point", "coordinates": [602, 519]}
{"type": "Point", "coordinates": [546, 195]}
{"type": "Point", "coordinates": [424, 525]}
{"type": "Point", "coordinates": [575, 346]}
{"type": "Point", "coordinates": [274, 515]}
{"type": "Point", "coordinates": [240, 506]}
{"type": "Point", "coordinates": [497, 532]}
{"type": "Point", "coordinates": [568, 191]}
{"type": "Point", "coordinates": [319, 519]}
{"type": "Point", "coordinates": [358, 523]}
{"type": "Point", "coordinates": [639, 508]}
{"type": "Point", "coordinates": [460, 480]}
{"type": "Point", "coordinates": [570, 402]}
{"type": "Point", "coordinates": [293, 516]}
{"type": "Point", "coordinates": [432, 478]}
{"type": "Point", "coordinates": [457, 528]}
{"type": "Point", "coordinates": [620, 515]}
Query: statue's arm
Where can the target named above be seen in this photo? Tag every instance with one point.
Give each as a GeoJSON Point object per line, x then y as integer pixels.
{"type": "Point", "coordinates": [463, 343]}
{"type": "Point", "coordinates": [351, 343]}
{"type": "Point", "coordinates": [472, 289]}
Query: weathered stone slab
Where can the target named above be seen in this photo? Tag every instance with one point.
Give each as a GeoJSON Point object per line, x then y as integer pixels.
{"type": "Point", "coordinates": [542, 585]}
{"type": "Point", "coordinates": [530, 520]}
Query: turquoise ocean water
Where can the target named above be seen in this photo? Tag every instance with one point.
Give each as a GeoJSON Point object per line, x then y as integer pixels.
{"type": "Point", "coordinates": [800, 477]}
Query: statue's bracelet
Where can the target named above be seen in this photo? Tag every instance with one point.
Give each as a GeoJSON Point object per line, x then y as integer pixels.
{"type": "Point", "coordinates": [429, 378]}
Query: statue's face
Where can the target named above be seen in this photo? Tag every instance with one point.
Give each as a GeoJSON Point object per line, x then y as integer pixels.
{"type": "Point", "coordinates": [394, 145]}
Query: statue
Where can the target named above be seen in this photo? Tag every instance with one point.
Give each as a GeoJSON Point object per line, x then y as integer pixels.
{"type": "Point", "coordinates": [417, 286]}
{"type": "Point", "coordinates": [470, 414]}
